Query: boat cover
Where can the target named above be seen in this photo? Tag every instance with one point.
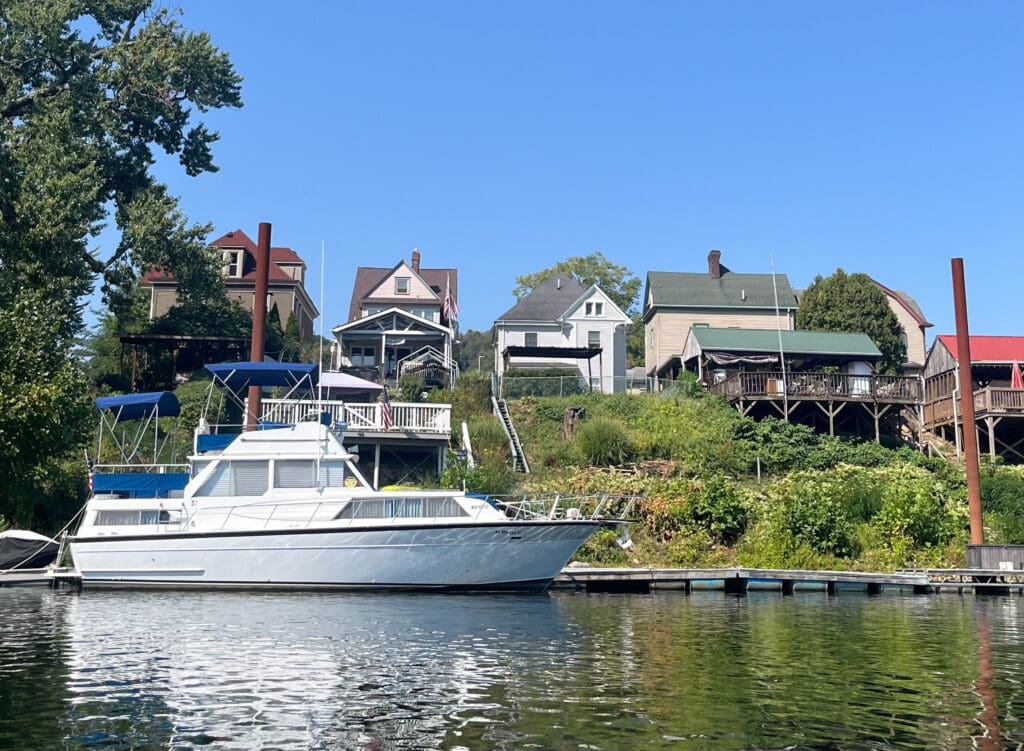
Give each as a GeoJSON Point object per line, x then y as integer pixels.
{"type": "Point", "coordinates": [345, 383]}
{"type": "Point", "coordinates": [25, 549]}
{"type": "Point", "coordinates": [139, 484]}
{"type": "Point", "coordinates": [135, 406]}
{"type": "Point", "coordinates": [237, 375]}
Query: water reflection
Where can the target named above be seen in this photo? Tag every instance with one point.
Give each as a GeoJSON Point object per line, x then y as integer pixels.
{"type": "Point", "coordinates": [310, 671]}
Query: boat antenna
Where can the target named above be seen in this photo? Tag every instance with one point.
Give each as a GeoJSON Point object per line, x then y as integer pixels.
{"type": "Point", "coordinates": [782, 354]}
{"type": "Point", "coordinates": [320, 359]}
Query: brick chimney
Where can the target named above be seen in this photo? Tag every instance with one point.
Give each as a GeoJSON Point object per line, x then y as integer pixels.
{"type": "Point", "coordinates": [416, 260]}
{"type": "Point", "coordinates": [714, 268]}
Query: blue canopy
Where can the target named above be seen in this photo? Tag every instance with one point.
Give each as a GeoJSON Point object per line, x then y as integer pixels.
{"type": "Point", "coordinates": [135, 406]}
{"type": "Point", "coordinates": [236, 375]}
{"type": "Point", "coordinates": [139, 484]}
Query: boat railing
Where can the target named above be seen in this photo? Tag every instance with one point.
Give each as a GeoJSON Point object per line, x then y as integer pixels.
{"type": "Point", "coordinates": [604, 506]}
{"type": "Point", "coordinates": [152, 469]}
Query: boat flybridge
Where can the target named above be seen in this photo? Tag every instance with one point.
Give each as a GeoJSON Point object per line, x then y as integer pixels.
{"type": "Point", "coordinates": [286, 506]}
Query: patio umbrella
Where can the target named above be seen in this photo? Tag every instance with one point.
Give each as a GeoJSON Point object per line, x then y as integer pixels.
{"type": "Point", "coordinates": [1016, 380]}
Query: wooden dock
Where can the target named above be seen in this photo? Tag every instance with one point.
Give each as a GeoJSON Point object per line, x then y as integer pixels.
{"type": "Point", "coordinates": [743, 580]}
{"type": "Point", "coordinates": [41, 577]}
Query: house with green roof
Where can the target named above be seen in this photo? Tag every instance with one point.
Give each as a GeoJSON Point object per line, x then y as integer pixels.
{"type": "Point", "coordinates": [810, 377]}
{"type": "Point", "coordinates": [675, 302]}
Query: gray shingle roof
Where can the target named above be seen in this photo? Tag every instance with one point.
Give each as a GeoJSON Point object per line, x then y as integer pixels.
{"type": "Point", "coordinates": [548, 301]}
{"type": "Point", "coordinates": [731, 290]}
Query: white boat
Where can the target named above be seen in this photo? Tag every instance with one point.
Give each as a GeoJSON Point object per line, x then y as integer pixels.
{"type": "Point", "coordinates": [287, 507]}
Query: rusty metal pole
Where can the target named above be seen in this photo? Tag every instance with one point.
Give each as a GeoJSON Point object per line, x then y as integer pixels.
{"type": "Point", "coordinates": [963, 351]}
{"type": "Point", "coordinates": [259, 319]}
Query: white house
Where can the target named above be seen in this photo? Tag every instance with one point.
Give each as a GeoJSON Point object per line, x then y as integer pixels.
{"type": "Point", "coordinates": [560, 324]}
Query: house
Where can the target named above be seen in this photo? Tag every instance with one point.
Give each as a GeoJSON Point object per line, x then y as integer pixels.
{"type": "Point", "coordinates": [998, 397]}
{"type": "Point", "coordinates": [286, 287]}
{"type": "Point", "coordinates": [402, 320]}
{"type": "Point", "coordinates": [674, 302]}
{"type": "Point", "coordinates": [912, 321]}
{"type": "Point", "coordinates": [817, 378]}
{"type": "Point", "coordinates": [562, 324]}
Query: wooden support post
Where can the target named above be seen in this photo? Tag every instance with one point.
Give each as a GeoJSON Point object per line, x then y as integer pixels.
{"type": "Point", "coordinates": [991, 437]}
{"type": "Point", "coordinates": [735, 585]}
{"type": "Point", "coordinates": [376, 466]}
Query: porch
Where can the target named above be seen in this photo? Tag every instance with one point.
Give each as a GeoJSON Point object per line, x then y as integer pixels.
{"type": "Point", "coordinates": [821, 399]}
{"type": "Point", "coordinates": [999, 416]}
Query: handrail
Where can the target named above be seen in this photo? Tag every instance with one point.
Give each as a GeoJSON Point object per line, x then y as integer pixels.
{"type": "Point", "coordinates": [813, 385]}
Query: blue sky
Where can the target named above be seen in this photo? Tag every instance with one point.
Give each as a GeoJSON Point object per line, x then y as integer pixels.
{"type": "Point", "coordinates": [501, 138]}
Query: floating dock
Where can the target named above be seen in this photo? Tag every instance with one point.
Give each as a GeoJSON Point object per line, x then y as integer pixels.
{"type": "Point", "coordinates": [41, 577]}
{"type": "Point", "coordinates": [743, 580]}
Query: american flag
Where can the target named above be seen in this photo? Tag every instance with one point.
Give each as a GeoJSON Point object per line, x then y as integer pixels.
{"type": "Point", "coordinates": [385, 410]}
{"type": "Point", "coordinates": [451, 307]}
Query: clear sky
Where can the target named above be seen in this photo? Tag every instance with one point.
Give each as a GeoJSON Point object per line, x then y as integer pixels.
{"type": "Point", "coordinates": [500, 138]}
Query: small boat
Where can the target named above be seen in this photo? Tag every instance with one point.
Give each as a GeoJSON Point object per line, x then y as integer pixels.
{"type": "Point", "coordinates": [21, 550]}
{"type": "Point", "coordinates": [287, 506]}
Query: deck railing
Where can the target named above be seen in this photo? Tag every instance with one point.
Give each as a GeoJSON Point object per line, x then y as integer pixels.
{"type": "Point", "coordinates": [987, 401]}
{"type": "Point", "coordinates": [405, 416]}
{"type": "Point", "coordinates": [811, 386]}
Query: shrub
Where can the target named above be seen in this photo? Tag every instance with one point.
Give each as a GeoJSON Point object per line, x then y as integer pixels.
{"type": "Point", "coordinates": [915, 507]}
{"type": "Point", "coordinates": [490, 479]}
{"type": "Point", "coordinates": [806, 511]}
{"type": "Point", "coordinates": [603, 441]}
{"type": "Point", "coordinates": [717, 506]}
{"type": "Point", "coordinates": [490, 444]}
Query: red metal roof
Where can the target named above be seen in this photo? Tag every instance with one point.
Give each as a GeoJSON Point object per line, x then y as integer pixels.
{"type": "Point", "coordinates": [988, 348]}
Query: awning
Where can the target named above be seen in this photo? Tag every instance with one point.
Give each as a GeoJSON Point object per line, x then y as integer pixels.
{"type": "Point", "coordinates": [136, 406]}
{"type": "Point", "coordinates": [238, 375]}
{"type": "Point", "coordinates": [345, 383]}
{"type": "Point", "coordinates": [579, 353]}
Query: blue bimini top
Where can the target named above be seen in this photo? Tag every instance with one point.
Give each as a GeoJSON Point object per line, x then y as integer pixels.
{"type": "Point", "coordinates": [237, 375]}
{"type": "Point", "coordinates": [136, 406]}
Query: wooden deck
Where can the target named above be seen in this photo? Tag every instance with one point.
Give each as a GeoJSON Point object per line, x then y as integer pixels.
{"type": "Point", "coordinates": [988, 402]}
{"type": "Point", "coordinates": [772, 385]}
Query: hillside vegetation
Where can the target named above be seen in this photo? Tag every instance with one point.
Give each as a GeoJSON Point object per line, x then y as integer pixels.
{"type": "Point", "coordinates": [817, 501]}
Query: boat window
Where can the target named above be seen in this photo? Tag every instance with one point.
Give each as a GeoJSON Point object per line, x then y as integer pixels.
{"type": "Point", "coordinates": [150, 517]}
{"type": "Point", "coordinates": [294, 473]}
{"type": "Point", "coordinates": [116, 518]}
{"type": "Point", "coordinates": [237, 478]}
{"type": "Point", "coordinates": [198, 467]}
{"type": "Point", "coordinates": [332, 474]}
{"type": "Point", "coordinates": [402, 508]}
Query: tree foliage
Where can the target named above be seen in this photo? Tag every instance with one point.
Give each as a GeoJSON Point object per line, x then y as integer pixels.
{"type": "Point", "coordinates": [88, 89]}
{"type": "Point", "coordinates": [618, 282]}
{"type": "Point", "coordinates": [854, 303]}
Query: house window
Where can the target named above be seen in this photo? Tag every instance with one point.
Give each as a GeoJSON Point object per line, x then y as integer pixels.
{"type": "Point", "coordinates": [531, 339]}
{"type": "Point", "coordinates": [401, 285]}
{"type": "Point", "coordinates": [232, 263]}
{"type": "Point", "coordinates": [594, 309]}
{"type": "Point", "coordinates": [594, 339]}
{"type": "Point", "coordinates": [363, 357]}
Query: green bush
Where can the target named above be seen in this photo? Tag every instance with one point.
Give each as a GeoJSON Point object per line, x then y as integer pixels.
{"type": "Point", "coordinates": [916, 507]}
{"type": "Point", "coordinates": [490, 479]}
{"type": "Point", "coordinates": [490, 444]}
{"type": "Point", "coordinates": [601, 441]}
{"type": "Point", "coordinates": [805, 511]}
{"type": "Point", "coordinates": [718, 506]}
{"type": "Point", "coordinates": [410, 389]}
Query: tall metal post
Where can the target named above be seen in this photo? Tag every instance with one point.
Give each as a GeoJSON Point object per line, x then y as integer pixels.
{"type": "Point", "coordinates": [970, 436]}
{"type": "Point", "coordinates": [259, 320]}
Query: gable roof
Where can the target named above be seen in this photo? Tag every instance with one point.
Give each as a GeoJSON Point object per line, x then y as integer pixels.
{"type": "Point", "coordinates": [368, 278]}
{"type": "Point", "coordinates": [907, 302]}
{"type": "Point", "coordinates": [679, 289]}
{"type": "Point", "coordinates": [612, 310]}
{"type": "Point", "coordinates": [238, 239]}
{"type": "Point", "coordinates": [995, 349]}
{"type": "Point", "coordinates": [793, 342]}
{"type": "Point", "coordinates": [547, 302]}
{"type": "Point", "coordinates": [366, 321]}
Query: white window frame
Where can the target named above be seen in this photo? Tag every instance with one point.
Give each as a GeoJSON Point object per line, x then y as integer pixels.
{"type": "Point", "coordinates": [591, 335]}
{"type": "Point", "coordinates": [527, 336]}
{"type": "Point", "coordinates": [594, 309]}
{"type": "Point", "coordinates": [403, 281]}
{"type": "Point", "coordinates": [232, 262]}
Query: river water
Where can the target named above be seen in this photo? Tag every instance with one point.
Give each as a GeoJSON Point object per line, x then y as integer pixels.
{"type": "Point", "coordinates": [179, 670]}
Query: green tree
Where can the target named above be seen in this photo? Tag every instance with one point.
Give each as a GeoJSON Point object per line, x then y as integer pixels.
{"type": "Point", "coordinates": [854, 303]}
{"type": "Point", "coordinates": [88, 89]}
{"type": "Point", "coordinates": [618, 282]}
{"type": "Point", "coordinates": [476, 350]}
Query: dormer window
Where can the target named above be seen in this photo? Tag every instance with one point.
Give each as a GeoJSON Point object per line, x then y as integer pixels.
{"type": "Point", "coordinates": [401, 285]}
{"type": "Point", "coordinates": [232, 263]}
{"type": "Point", "coordinates": [594, 309]}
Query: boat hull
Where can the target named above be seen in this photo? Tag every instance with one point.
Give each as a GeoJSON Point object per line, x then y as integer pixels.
{"type": "Point", "coordinates": [513, 555]}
